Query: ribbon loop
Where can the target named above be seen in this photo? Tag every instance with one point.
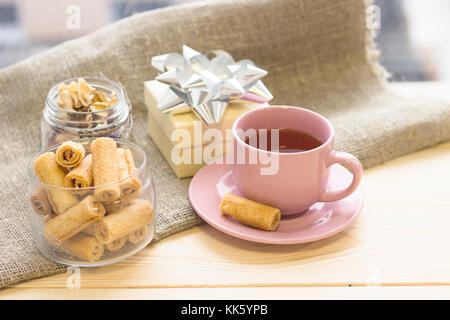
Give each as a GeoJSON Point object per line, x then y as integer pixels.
{"type": "Point", "coordinates": [207, 86]}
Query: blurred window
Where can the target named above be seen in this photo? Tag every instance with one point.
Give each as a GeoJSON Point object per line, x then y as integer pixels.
{"type": "Point", "coordinates": [413, 35]}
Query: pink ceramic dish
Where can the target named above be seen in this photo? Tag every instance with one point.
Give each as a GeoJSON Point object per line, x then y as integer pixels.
{"type": "Point", "coordinates": [321, 220]}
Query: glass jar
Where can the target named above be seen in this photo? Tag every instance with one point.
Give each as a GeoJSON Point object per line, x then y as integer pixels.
{"type": "Point", "coordinates": [76, 239]}
{"type": "Point", "coordinates": [59, 125]}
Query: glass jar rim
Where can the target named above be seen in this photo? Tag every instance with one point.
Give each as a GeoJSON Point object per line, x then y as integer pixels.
{"type": "Point", "coordinates": [64, 127]}
{"type": "Point", "coordinates": [119, 89]}
{"type": "Point", "coordinates": [33, 176]}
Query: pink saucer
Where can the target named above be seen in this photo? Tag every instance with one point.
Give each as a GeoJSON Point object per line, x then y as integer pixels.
{"type": "Point", "coordinates": [322, 220]}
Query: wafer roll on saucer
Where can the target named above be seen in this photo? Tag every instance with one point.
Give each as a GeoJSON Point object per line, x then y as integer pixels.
{"type": "Point", "coordinates": [81, 176]}
{"type": "Point", "coordinates": [116, 244]}
{"type": "Point", "coordinates": [39, 202]}
{"type": "Point", "coordinates": [129, 188]}
{"type": "Point", "coordinates": [84, 247]}
{"type": "Point", "coordinates": [105, 169]}
{"type": "Point", "coordinates": [74, 220]}
{"type": "Point", "coordinates": [125, 221]}
{"type": "Point", "coordinates": [138, 235]}
{"type": "Point", "coordinates": [250, 212]}
{"type": "Point", "coordinates": [70, 154]}
{"type": "Point", "coordinates": [49, 172]}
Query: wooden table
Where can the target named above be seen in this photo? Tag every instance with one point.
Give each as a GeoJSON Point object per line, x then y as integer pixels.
{"type": "Point", "coordinates": [399, 247]}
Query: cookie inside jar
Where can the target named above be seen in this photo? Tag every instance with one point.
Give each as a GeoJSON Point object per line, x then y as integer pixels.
{"type": "Point", "coordinates": [85, 107]}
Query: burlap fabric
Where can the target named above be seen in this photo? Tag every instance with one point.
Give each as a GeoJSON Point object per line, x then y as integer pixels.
{"type": "Point", "coordinates": [319, 54]}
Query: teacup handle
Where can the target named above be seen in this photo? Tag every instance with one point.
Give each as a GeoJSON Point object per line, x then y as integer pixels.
{"type": "Point", "coordinates": [352, 163]}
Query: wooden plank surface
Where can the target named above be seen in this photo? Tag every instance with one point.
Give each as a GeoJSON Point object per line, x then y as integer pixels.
{"type": "Point", "coordinates": [402, 238]}
{"type": "Point", "coordinates": [231, 293]}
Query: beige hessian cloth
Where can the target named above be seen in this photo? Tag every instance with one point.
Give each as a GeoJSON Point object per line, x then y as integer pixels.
{"type": "Point", "coordinates": [319, 54]}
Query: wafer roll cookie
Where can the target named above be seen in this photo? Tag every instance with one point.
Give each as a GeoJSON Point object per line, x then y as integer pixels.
{"type": "Point", "coordinates": [50, 173]}
{"type": "Point", "coordinates": [105, 169]}
{"type": "Point", "coordinates": [138, 235]}
{"type": "Point", "coordinates": [84, 247]}
{"type": "Point", "coordinates": [90, 229]}
{"type": "Point", "coordinates": [49, 217]}
{"type": "Point", "coordinates": [116, 244]}
{"type": "Point", "coordinates": [70, 154]}
{"type": "Point", "coordinates": [40, 203]}
{"type": "Point", "coordinates": [130, 188]}
{"type": "Point", "coordinates": [81, 176]}
{"type": "Point", "coordinates": [250, 212]}
{"type": "Point", "coordinates": [125, 221]}
{"type": "Point", "coordinates": [74, 220]}
{"type": "Point", "coordinates": [112, 207]}
{"type": "Point", "coordinates": [65, 170]}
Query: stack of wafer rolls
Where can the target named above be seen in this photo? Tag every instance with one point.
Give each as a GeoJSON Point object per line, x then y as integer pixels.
{"type": "Point", "coordinates": [74, 220]}
{"type": "Point", "coordinates": [70, 154]}
{"type": "Point", "coordinates": [40, 203]}
{"type": "Point", "coordinates": [81, 176]}
{"type": "Point", "coordinates": [84, 247]}
{"type": "Point", "coordinates": [50, 173]}
{"type": "Point", "coordinates": [90, 229]}
{"type": "Point", "coordinates": [138, 235]}
{"type": "Point", "coordinates": [112, 207]}
{"type": "Point", "coordinates": [129, 188]}
{"type": "Point", "coordinates": [116, 244]}
{"type": "Point", "coordinates": [105, 168]}
{"type": "Point", "coordinates": [125, 221]}
{"type": "Point", "coordinates": [49, 217]}
{"type": "Point", "coordinates": [89, 202]}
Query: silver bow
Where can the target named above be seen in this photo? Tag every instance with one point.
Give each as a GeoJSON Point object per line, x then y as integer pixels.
{"type": "Point", "coordinates": [207, 86]}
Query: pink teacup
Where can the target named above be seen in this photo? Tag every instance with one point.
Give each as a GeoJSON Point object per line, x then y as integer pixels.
{"type": "Point", "coordinates": [292, 182]}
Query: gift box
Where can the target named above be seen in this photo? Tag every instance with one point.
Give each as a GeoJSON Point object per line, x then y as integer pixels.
{"type": "Point", "coordinates": [193, 103]}
{"type": "Point", "coordinates": [162, 126]}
